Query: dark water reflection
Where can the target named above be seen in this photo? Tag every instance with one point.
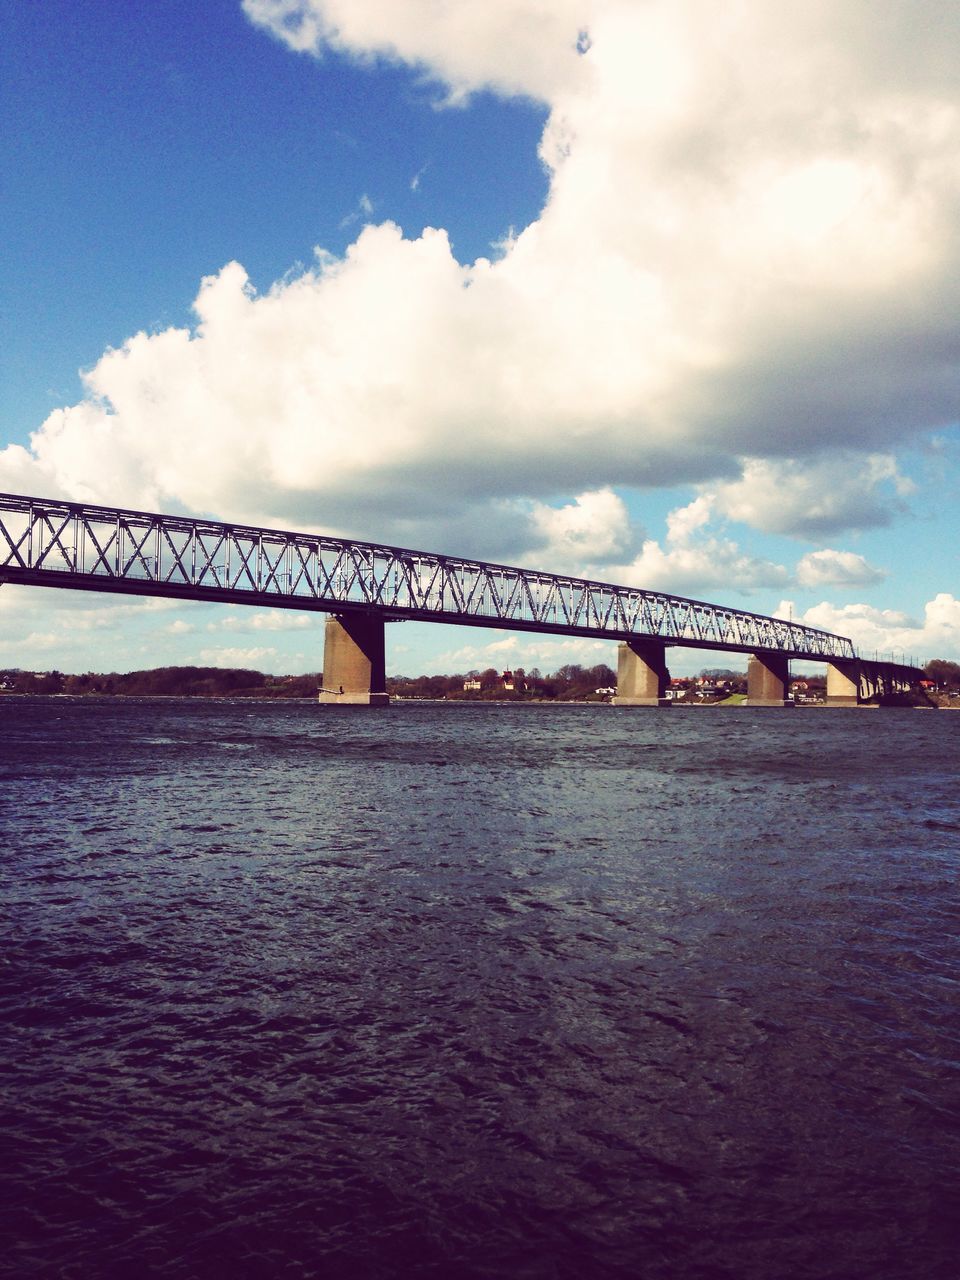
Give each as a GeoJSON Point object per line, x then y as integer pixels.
{"type": "Point", "coordinates": [479, 991]}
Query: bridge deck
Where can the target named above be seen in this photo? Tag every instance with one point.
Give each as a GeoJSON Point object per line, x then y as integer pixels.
{"type": "Point", "coordinates": [80, 546]}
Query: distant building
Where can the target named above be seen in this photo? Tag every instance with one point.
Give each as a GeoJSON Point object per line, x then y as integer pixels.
{"type": "Point", "coordinates": [472, 683]}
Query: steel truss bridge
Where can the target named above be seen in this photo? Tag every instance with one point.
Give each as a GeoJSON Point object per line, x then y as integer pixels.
{"type": "Point", "coordinates": [49, 543]}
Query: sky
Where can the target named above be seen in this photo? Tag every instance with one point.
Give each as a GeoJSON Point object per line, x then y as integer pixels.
{"type": "Point", "coordinates": [658, 292]}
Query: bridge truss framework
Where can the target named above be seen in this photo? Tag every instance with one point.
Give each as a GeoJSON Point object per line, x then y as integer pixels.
{"type": "Point", "coordinates": [80, 546]}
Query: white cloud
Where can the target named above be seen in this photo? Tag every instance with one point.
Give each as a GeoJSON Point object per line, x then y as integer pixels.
{"type": "Point", "coordinates": [836, 568]}
{"type": "Point", "coordinates": [233, 657]}
{"type": "Point", "coordinates": [684, 523]}
{"type": "Point", "coordinates": [272, 620]}
{"type": "Point", "coordinates": [887, 631]}
{"type": "Point", "coordinates": [78, 610]}
{"type": "Point", "coordinates": [815, 497]}
{"type": "Point", "coordinates": [747, 252]}
{"type": "Point", "coordinates": [361, 213]}
{"type": "Point", "coordinates": [546, 652]}
{"type": "Point", "coordinates": [694, 560]}
{"type": "Point", "coordinates": [78, 630]}
{"type": "Point", "coordinates": [717, 565]}
{"type": "Point", "coordinates": [515, 47]}
{"type": "Point", "coordinates": [34, 642]}
{"type": "Point", "coordinates": [283, 620]}
{"type": "Point", "coordinates": [593, 529]}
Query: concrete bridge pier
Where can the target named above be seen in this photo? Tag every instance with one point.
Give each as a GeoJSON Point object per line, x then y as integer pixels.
{"type": "Point", "coordinates": [843, 684]}
{"type": "Point", "coordinates": [354, 662]}
{"type": "Point", "coordinates": [642, 675]}
{"type": "Point", "coordinates": [854, 683]}
{"type": "Point", "coordinates": [768, 680]}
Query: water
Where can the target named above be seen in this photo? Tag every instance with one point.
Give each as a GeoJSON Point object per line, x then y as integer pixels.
{"type": "Point", "coordinates": [478, 991]}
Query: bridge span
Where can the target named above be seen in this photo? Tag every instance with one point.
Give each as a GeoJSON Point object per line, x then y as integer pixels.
{"type": "Point", "coordinates": [363, 585]}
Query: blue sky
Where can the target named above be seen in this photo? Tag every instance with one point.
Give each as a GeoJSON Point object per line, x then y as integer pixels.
{"type": "Point", "coordinates": [676, 324]}
{"type": "Point", "coordinates": [149, 144]}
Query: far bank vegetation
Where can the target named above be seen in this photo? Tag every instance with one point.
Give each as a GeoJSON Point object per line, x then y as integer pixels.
{"type": "Point", "coordinates": [570, 683]}
{"type": "Point", "coordinates": [163, 682]}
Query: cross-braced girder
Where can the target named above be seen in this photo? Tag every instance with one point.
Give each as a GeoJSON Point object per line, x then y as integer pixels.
{"type": "Point", "coordinates": [44, 542]}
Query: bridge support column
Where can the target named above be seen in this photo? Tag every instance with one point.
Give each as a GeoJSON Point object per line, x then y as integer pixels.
{"type": "Point", "coordinates": [354, 663]}
{"type": "Point", "coordinates": [843, 684]}
{"type": "Point", "coordinates": [642, 675]}
{"type": "Point", "coordinates": [768, 680]}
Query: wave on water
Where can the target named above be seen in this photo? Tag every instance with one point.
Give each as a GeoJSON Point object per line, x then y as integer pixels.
{"type": "Point", "coordinates": [478, 993]}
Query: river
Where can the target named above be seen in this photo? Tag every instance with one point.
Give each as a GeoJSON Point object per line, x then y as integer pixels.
{"type": "Point", "coordinates": [479, 991]}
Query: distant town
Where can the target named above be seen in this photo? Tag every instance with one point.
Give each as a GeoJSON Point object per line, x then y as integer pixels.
{"type": "Point", "coordinates": [571, 683]}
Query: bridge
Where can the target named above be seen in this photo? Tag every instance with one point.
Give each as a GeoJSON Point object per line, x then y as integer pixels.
{"type": "Point", "coordinates": [363, 585]}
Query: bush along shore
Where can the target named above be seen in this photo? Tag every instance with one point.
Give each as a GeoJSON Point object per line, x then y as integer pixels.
{"type": "Point", "coordinates": [163, 682]}
{"type": "Point", "coordinates": [571, 683]}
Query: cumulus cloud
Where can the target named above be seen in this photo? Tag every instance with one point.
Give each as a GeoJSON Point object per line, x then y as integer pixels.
{"type": "Point", "coordinates": [39, 642]}
{"type": "Point", "coordinates": [836, 568]}
{"type": "Point", "coordinates": [695, 559]}
{"type": "Point", "coordinates": [815, 497]}
{"type": "Point", "coordinates": [525, 47]}
{"type": "Point", "coordinates": [80, 610]}
{"type": "Point", "coordinates": [746, 253]}
{"type": "Point", "coordinates": [271, 620]}
{"type": "Point", "coordinates": [80, 631]}
{"type": "Point", "coordinates": [233, 657]}
{"type": "Point", "coordinates": [593, 529]}
{"type": "Point", "coordinates": [545, 652]}
{"type": "Point", "coordinates": [75, 629]}
{"type": "Point", "coordinates": [887, 631]}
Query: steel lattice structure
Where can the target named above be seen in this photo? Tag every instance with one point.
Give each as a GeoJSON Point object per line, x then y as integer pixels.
{"type": "Point", "coordinates": [48, 543]}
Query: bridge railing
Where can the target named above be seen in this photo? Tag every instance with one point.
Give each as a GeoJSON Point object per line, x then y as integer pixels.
{"type": "Point", "coordinates": [44, 542]}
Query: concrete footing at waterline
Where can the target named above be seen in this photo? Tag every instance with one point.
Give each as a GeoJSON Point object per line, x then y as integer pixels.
{"type": "Point", "coordinates": [860, 682]}
{"type": "Point", "coordinates": [354, 672]}
{"type": "Point", "coordinates": [642, 675]}
{"type": "Point", "coordinates": [768, 681]}
{"type": "Point", "coordinates": [843, 685]}
{"type": "Point", "coordinates": [354, 662]}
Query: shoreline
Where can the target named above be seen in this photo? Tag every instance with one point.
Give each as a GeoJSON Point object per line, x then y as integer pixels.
{"type": "Point", "coordinates": [470, 702]}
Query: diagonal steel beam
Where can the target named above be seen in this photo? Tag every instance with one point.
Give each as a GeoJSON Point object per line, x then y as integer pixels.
{"type": "Point", "coordinates": [106, 548]}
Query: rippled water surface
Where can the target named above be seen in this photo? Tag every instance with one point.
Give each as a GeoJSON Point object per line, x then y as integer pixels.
{"type": "Point", "coordinates": [492, 991]}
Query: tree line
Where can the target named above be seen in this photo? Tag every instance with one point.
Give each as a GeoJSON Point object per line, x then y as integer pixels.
{"type": "Point", "coordinates": [570, 682]}
{"type": "Point", "coordinates": [946, 674]}
{"type": "Point", "coordinates": [164, 682]}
